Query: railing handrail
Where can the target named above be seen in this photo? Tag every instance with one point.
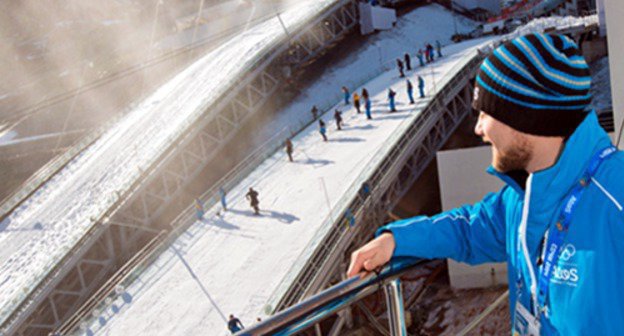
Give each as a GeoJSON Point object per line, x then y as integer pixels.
{"type": "Point", "coordinates": [104, 291]}
{"type": "Point", "coordinates": [337, 297]}
{"type": "Point", "coordinates": [178, 225]}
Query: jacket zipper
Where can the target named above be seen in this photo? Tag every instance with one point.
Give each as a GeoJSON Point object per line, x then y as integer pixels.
{"type": "Point", "coordinates": [523, 242]}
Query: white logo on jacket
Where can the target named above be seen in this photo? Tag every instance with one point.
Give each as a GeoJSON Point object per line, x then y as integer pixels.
{"type": "Point", "coordinates": [566, 273]}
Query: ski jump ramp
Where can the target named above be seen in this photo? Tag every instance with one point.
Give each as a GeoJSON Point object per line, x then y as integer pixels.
{"type": "Point", "coordinates": [235, 262]}
{"type": "Point", "coordinates": [45, 238]}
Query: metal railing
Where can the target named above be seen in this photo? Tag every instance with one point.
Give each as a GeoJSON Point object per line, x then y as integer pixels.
{"type": "Point", "coordinates": [134, 267]}
{"type": "Point", "coordinates": [346, 293]}
{"type": "Point", "coordinates": [110, 289]}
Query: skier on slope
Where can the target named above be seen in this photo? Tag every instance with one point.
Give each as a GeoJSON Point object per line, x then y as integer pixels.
{"type": "Point", "coordinates": [391, 95]}
{"type": "Point", "coordinates": [234, 324]}
{"type": "Point", "coordinates": [410, 91]}
{"type": "Point", "coordinates": [322, 129]}
{"type": "Point", "coordinates": [252, 196]}
{"type": "Point", "coordinates": [338, 117]}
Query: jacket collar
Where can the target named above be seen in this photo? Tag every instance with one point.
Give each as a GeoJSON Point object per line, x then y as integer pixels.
{"type": "Point", "coordinates": [551, 185]}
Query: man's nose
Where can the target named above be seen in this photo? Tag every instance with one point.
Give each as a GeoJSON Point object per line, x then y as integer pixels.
{"type": "Point", "coordinates": [479, 126]}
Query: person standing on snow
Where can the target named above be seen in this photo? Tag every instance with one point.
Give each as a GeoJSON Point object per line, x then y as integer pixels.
{"type": "Point", "coordinates": [439, 48]}
{"type": "Point", "coordinates": [338, 117]}
{"type": "Point", "coordinates": [234, 324]}
{"type": "Point", "coordinates": [289, 149]}
{"type": "Point", "coordinates": [222, 195]}
{"type": "Point", "coordinates": [322, 129]}
{"type": "Point", "coordinates": [408, 62]}
{"type": "Point", "coordinates": [400, 67]}
{"type": "Point", "coordinates": [346, 94]}
{"type": "Point", "coordinates": [199, 209]}
{"type": "Point", "coordinates": [356, 101]}
{"type": "Point", "coordinates": [410, 91]}
{"type": "Point", "coordinates": [252, 196]}
{"type": "Point", "coordinates": [558, 221]}
{"type": "Point", "coordinates": [420, 57]}
{"type": "Point", "coordinates": [421, 87]}
{"type": "Point", "coordinates": [391, 95]}
{"type": "Point", "coordinates": [314, 112]}
{"type": "Point", "coordinates": [367, 105]}
{"type": "Point", "coordinates": [431, 52]}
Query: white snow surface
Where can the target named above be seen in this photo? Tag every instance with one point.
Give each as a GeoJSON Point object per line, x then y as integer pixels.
{"type": "Point", "coordinates": [41, 231]}
{"type": "Point", "coordinates": [237, 263]}
{"type": "Point", "coordinates": [6, 136]}
{"type": "Point", "coordinates": [561, 22]}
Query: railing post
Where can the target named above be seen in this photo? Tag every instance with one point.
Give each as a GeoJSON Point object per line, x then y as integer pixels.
{"type": "Point", "coordinates": [396, 312]}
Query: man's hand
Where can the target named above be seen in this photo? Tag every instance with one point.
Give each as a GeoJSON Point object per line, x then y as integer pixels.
{"type": "Point", "coordinates": [372, 255]}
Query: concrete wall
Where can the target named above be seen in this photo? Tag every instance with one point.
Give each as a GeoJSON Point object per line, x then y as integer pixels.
{"type": "Point", "coordinates": [614, 10]}
{"type": "Point", "coordinates": [463, 180]}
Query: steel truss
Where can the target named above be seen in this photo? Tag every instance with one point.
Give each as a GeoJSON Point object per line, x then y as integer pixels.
{"type": "Point", "coordinates": [125, 228]}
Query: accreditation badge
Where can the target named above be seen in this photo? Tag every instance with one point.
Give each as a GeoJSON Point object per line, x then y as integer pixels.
{"type": "Point", "coordinates": [525, 324]}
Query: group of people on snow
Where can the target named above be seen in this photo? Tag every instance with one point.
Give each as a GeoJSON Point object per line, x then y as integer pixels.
{"type": "Point", "coordinates": [403, 65]}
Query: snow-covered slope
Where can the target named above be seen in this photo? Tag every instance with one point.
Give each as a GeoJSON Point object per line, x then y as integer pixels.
{"type": "Point", "coordinates": [48, 224]}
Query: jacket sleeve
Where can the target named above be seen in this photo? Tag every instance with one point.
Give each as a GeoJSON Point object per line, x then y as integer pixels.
{"type": "Point", "coordinates": [472, 234]}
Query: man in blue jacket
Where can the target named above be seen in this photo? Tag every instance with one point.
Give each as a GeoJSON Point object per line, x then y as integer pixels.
{"type": "Point", "coordinates": [559, 220]}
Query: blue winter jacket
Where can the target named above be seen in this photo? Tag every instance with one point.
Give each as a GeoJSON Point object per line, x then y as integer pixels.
{"type": "Point", "coordinates": [586, 291]}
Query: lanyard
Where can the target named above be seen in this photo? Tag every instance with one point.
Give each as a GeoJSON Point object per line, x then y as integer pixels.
{"type": "Point", "coordinates": [556, 234]}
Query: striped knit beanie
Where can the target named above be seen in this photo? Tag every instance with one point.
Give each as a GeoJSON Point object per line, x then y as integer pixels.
{"type": "Point", "coordinates": [537, 84]}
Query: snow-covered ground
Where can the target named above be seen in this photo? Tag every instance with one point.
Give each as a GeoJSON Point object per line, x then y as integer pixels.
{"type": "Point", "coordinates": [47, 225]}
{"type": "Point", "coordinates": [234, 264]}
{"type": "Point", "coordinates": [561, 22]}
{"type": "Point", "coordinates": [412, 32]}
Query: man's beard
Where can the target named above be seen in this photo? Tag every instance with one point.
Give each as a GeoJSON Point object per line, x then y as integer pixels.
{"type": "Point", "coordinates": [515, 157]}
